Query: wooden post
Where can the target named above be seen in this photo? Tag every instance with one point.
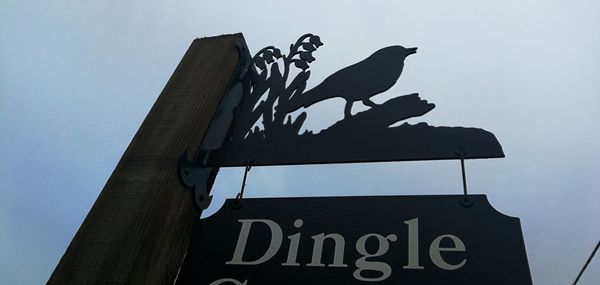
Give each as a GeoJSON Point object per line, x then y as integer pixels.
{"type": "Point", "coordinates": [139, 228]}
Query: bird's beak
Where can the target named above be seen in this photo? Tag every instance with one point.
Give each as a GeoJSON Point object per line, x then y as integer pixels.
{"type": "Point", "coordinates": [411, 50]}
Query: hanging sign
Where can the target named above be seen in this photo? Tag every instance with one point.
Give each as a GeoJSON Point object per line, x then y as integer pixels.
{"type": "Point", "coordinates": [357, 240]}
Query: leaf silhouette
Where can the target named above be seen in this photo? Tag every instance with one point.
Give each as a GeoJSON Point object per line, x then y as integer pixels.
{"type": "Point", "coordinates": [297, 124]}
{"type": "Point", "coordinates": [256, 78]}
{"type": "Point", "coordinates": [262, 77]}
{"type": "Point", "coordinates": [296, 87]}
{"type": "Point", "coordinates": [307, 56]}
{"type": "Point", "coordinates": [302, 77]}
{"type": "Point", "coordinates": [260, 63]}
{"type": "Point", "coordinates": [277, 53]}
{"type": "Point", "coordinates": [309, 47]}
{"type": "Point", "coordinates": [315, 40]}
{"type": "Point", "coordinates": [268, 56]}
{"type": "Point", "coordinates": [276, 76]}
{"type": "Point", "coordinates": [299, 89]}
{"type": "Point", "coordinates": [301, 64]}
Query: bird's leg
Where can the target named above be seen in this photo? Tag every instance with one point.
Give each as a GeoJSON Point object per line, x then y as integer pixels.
{"type": "Point", "coordinates": [368, 102]}
{"type": "Point", "coordinates": [348, 109]}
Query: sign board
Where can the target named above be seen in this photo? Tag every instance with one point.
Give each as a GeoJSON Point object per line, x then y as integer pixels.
{"type": "Point", "coordinates": [357, 240]}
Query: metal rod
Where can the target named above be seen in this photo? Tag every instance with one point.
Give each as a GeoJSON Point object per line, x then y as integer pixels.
{"type": "Point", "coordinates": [241, 194]}
{"type": "Point", "coordinates": [238, 198]}
{"type": "Point", "coordinates": [464, 176]}
{"type": "Point", "coordinates": [465, 202]}
{"type": "Point", "coordinates": [587, 263]}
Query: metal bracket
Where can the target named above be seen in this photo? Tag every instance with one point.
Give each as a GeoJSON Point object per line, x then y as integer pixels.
{"type": "Point", "coordinates": [195, 173]}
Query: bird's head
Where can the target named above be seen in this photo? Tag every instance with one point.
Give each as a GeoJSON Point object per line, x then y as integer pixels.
{"type": "Point", "coordinates": [410, 51]}
{"type": "Point", "coordinates": [397, 52]}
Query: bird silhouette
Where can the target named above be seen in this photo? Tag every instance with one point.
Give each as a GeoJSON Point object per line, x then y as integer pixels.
{"type": "Point", "coordinates": [358, 82]}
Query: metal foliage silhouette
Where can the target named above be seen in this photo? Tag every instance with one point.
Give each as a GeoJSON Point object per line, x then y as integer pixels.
{"type": "Point", "coordinates": [265, 78]}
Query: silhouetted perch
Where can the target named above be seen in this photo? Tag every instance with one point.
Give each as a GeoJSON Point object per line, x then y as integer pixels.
{"type": "Point", "coordinates": [385, 114]}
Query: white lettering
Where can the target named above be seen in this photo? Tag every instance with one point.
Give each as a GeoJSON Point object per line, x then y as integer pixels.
{"type": "Point", "coordinates": [274, 244]}
{"type": "Point", "coordinates": [338, 255]}
{"type": "Point", "coordinates": [367, 269]}
{"type": "Point", "coordinates": [294, 241]}
{"type": "Point", "coordinates": [362, 264]}
{"type": "Point", "coordinates": [436, 257]}
{"type": "Point", "coordinates": [413, 245]}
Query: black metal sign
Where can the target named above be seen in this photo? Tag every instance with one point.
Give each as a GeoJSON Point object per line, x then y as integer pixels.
{"type": "Point", "coordinates": [266, 130]}
{"type": "Point", "coordinates": [357, 240]}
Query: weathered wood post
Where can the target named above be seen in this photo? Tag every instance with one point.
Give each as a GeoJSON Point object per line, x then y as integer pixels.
{"type": "Point", "coordinates": [139, 228]}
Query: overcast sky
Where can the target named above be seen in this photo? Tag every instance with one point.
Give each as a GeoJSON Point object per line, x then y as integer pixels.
{"type": "Point", "coordinates": [78, 77]}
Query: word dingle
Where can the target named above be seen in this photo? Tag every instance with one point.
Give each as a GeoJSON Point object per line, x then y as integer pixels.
{"type": "Point", "coordinates": [363, 264]}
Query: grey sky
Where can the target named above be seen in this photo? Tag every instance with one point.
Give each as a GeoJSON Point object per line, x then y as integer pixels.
{"type": "Point", "coordinates": [78, 77]}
